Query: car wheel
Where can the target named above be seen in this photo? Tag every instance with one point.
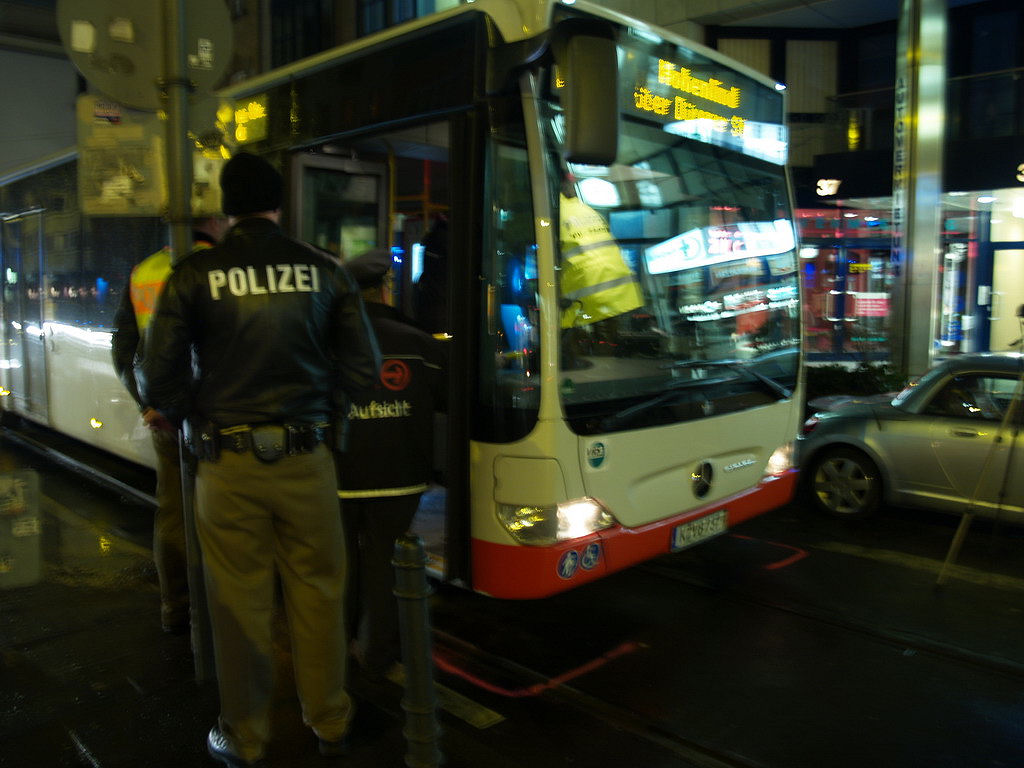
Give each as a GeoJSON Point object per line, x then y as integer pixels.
{"type": "Point", "coordinates": [844, 482]}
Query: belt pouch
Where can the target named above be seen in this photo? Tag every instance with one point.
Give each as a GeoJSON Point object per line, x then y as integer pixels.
{"type": "Point", "coordinates": [203, 440]}
{"type": "Point", "coordinates": [268, 442]}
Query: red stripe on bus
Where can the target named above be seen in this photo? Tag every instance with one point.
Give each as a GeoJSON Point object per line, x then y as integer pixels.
{"type": "Point", "coordinates": [516, 572]}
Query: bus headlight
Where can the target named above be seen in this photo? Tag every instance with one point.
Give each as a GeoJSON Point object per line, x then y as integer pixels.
{"type": "Point", "coordinates": [780, 461]}
{"type": "Point", "coordinates": [541, 526]}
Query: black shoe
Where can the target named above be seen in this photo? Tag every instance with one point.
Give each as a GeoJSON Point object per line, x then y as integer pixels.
{"type": "Point", "coordinates": [220, 749]}
{"type": "Point", "coordinates": [335, 748]}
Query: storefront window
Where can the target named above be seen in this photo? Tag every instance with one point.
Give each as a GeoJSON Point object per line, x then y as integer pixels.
{"type": "Point", "coordinates": [848, 281]}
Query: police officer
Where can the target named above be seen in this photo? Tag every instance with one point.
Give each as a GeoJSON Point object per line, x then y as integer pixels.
{"type": "Point", "coordinates": [278, 334]}
{"type": "Point", "coordinates": [388, 461]}
{"type": "Point", "coordinates": [133, 314]}
{"type": "Point", "coordinates": [596, 282]}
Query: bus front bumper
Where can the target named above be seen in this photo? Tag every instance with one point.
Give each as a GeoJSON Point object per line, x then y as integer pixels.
{"type": "Point", "coordinates": [519, 572]}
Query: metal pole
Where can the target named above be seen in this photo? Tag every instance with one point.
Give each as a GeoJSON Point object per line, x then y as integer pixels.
{"type": "Point", "coordinates": [954, 547]}
{"type": "Point", "coordinates": [1011, 424]}
{"type": "Point", "coordinates": [919, 124]}
{"type": "Point", "coordinates": [175, 88]}
{"type": "Point", "coordinates": [199, 614]}
{"type": "Point", "coordinates": [421, 731]}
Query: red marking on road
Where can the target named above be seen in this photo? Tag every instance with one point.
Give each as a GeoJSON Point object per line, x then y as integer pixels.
{"type": "Point", "coordinates": [798, 554]}
{"type": "Point", "coordinates": [447, 666]}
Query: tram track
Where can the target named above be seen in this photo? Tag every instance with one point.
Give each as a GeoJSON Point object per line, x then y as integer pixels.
{"type": "Point", "coordinates": [907, 642]}
{"type": "Point", "coordinates": [695, 753]}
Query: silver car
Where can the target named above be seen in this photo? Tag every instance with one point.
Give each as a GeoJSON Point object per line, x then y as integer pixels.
{"type": "Point", "coordinates": [949, 442]}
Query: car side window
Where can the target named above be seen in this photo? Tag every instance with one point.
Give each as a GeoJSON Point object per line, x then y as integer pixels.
{"type": "Point", "coordinates": [973, 397]}
{"type": "Point", "coordinates": [952, 400]}
{"type": "Point", "coordinates": [996, 393]}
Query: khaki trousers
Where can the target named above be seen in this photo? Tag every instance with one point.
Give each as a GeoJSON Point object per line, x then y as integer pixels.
{"type": "Point", "coordinates": [254, 518]}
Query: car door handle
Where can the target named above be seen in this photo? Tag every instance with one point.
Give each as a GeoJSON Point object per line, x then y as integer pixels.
{"type": "Point", "coordinates": [964, 433]}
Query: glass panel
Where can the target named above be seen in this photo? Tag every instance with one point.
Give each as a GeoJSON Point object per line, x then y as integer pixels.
{"type": "Point", "coordinates": [509, 388]}
{"type": "Point", "coordinates": [12, 304]}
{"type": "Point", "coordinates": [1007, 292]}
{"type": "Point", "coordinates": [822, 312]}
{"type": "Point", "coordinates": [677, 268]}
{"type": "Point", "coordinates": [341, 211]}
{"type": "Point", "coordinates": [869, 283]}
{"type": "Point", "coordinates": [85, 285]}
{"type": "Point", "coordinates": [974, 397]}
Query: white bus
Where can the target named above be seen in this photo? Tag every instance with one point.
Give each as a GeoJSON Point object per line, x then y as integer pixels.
{"type": "Point", "coordinates": [595, 214]}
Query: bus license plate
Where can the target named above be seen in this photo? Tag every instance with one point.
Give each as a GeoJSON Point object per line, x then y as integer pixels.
{"type": "Point", "coordinates": [697, 530]}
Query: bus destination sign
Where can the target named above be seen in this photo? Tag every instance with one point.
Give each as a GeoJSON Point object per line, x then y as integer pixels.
{"type": "Point", "coordinates": [706, 101]}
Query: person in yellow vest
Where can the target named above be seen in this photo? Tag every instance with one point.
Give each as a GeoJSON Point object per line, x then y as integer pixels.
{"type": "Point", "coordinates": [138, 302]}
{"type": "Point", "coordinates": [596, 282]}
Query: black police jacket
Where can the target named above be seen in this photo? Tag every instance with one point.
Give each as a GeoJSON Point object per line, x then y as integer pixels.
{"type": "Point", "coordinates": [391, 423]}
{"type": "Point", "coordinates": [261, 328]}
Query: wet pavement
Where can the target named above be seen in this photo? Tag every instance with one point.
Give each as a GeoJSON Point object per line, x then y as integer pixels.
{"type": "Point", "coordinates": [88, 676]}
{"type": "Point", "coordinates": [794, 641]}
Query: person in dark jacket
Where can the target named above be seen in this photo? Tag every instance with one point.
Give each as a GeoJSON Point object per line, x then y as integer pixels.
{"type": "Point", "coordinates": [256, 341]}
{"type": "Point", "coordinates": [388, 461]}
{"type": "Point", "coordinates": [431, 294]}
{"type": "Point", "coordinates": [133, 314]}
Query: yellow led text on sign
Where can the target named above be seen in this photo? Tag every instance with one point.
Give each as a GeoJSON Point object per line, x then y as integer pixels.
{"type": "Point", "coordinates": [709, 90]}
{"type": "Point", "coordinates": [251, 120]}
{"type": "Point", "coordinates": [680, 108]}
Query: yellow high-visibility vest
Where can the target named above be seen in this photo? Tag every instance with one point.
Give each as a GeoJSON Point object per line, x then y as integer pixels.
{"type": "Point", "coordinates": [147, 280]}
{"type": "Point", "coordinates": [595, 278]}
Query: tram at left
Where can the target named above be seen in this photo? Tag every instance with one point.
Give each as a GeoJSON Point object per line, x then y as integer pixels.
{"type": "Point", "coordinates": [62, 274]}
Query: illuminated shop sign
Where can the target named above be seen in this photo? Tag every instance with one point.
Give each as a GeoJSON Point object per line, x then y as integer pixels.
{"type": "Point", "coordinates": [741, 303]}
{"type": "Point", "coordinates": [251, 119]}
{"type": "Point", "coordinates": [719, 244]}
{"type": "Point", "coordinates": [706, 101]}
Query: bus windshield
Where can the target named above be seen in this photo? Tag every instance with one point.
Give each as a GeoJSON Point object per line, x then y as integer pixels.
{"type": "Point", "coordinates": [676, 265]}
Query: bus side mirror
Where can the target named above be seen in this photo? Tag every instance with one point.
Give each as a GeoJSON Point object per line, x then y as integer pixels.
{"type": "Point", "coordinates": [588, 89]}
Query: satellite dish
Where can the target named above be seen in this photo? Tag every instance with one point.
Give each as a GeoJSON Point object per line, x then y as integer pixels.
{"type": "Point", "coordinates": [119, 47]}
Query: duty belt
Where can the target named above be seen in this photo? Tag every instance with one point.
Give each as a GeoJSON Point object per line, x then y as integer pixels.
{"type": "Point", "coordinates": [269, 442]}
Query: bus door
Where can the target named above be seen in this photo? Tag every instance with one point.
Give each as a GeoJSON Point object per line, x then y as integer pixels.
{"type": "Point", "coordinates": [21, 257]}
{"type": "Point", "coordinates": [394, 196]}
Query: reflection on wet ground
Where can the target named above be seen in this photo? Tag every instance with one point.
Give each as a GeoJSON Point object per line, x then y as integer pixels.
{"type": "Point", "coordinates": [71, 543]}
{"type": "Point", "coordinates": [87, 677]}
{"type": "Point", "coordinates": [84, 661]}
{"type": "Point", "coordinates": [78, 552]}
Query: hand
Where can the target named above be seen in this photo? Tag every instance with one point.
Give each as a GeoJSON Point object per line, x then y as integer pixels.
{"type": "Point", "coordinates": [156, 420]}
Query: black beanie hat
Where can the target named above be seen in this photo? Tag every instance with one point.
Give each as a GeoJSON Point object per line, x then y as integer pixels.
{"type": "Point", "coordinates": [249, 184]}
{"type": "Point", "coordinates": [368, 269]}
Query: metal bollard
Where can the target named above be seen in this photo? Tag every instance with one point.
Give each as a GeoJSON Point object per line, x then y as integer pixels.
{"type": "Point", "coordinates": [422, 734]}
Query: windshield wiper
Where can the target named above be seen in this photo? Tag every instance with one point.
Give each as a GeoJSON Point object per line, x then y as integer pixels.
{"type": "Point", "coordinates": [674, 390]}
{"type": "Point", "coordinates": [740, 367]}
